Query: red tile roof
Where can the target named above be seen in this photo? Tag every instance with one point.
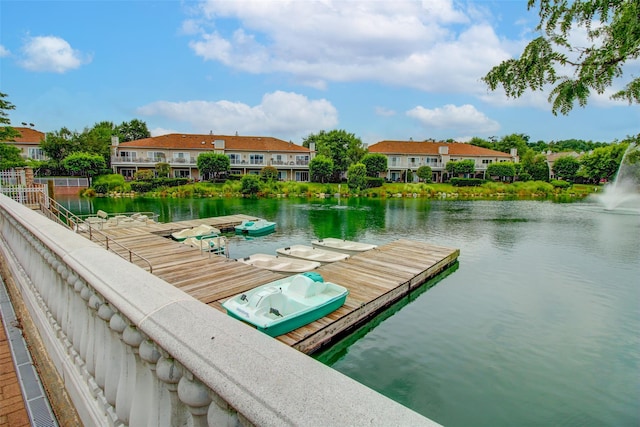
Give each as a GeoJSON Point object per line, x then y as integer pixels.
{"type": "Point", "coordinates": [431, 148]}
{"type": "Point", "coordinates": [200, 142]}
{"type": "Point", "coordinates": [28, 136]}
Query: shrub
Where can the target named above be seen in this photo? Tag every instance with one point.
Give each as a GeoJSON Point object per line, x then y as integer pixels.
{"type": "Point", "coordinates": [560, 184]}
{"type": "Point", "coordinates": [141, 186]}
{"type": "Point", "coordinates": [466, 182]}
{"type": "Point", "coordinates": [143, 175]}
{"type": "Point", "coordinates": [250, 184]}
{"type": "Point", "coordinates": [105, 183]}
{"type": "Point", "coordinates": [524, 177]}
{"type": "Point", "coordinates": [374, 182]}
{"type": "Point", "coordinates": [101, 188]}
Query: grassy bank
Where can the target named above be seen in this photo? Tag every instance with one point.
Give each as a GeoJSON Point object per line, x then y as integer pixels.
{"type": "Point", "coordinates": [532, 190]}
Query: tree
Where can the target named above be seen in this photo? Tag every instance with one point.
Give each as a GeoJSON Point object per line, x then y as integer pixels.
{"type": "Point", "coordinates": [461, 167]}
{"type": "Point", "coordinates": [603, 162]}
{"type": "Point", "coordinates": [97, 140]}
{"type": "Point", "coordinates": [502, 170]}
{"type": "Point", "coordinates": [250, 184]}
{"type": "Point", "coordinates": [515, 140]}
{"type": "Point", "coordinates": [343, 148]}
{"type": "Point", "coordinates": [320, 169]}
{"type": "Point", "coordinates": [375, 163]}
{"type": "Point", "coordinates": [425, 173]}
{"type": "Point", "coordinates": [536, 166]}
{"type": "Point", "coordinates": [132, 131]}
{"type": "Point", "coordinates": [163, 169]}
{"type": "Point", "coordinates": [269, 173]}
{"type": "Point", "coordinates": [57, 145]}
{"type": "Point", "coordinates": [357, 176]}
{"type": "Point", "coordinates": [566, 167]}
{"type": "Point", "coordinates": [85, 164]}
{"type": "Point", "coordinates": [7, 133]}
{"type": "Point", "coordinates": [10, 156]}
{"type": "Point", "coordinates": [613, 34]}
{"type": "Point", "coordinates": [213, 164]}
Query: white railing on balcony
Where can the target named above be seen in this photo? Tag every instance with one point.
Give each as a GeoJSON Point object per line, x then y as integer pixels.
{"type": "Point", "coordinates": [153, 160]}
{"type": "Point", "coordinates": [134, 350]}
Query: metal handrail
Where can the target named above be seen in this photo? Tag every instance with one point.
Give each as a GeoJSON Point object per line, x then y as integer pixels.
{"type": "Point", "coordinates": [58, 213]}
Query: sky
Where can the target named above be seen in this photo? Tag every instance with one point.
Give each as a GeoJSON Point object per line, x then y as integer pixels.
{"type": "Point", "coordinates": [380, 69]}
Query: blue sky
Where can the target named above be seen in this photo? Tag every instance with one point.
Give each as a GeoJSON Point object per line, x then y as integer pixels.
{"type": "Point", "coordinates": [379, 69]}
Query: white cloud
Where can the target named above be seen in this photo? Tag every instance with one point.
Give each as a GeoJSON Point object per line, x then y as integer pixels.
{"type": "Point", "coordinates": [50, 53]}
{"type": "Point", "coordinates": [430, 45]}
{"type": "Point", "coordinates": [289, 116]}
{"type": "Point", "coordinates": [465, 118]}
{"type": "Point", "coordinates": [4, 51]}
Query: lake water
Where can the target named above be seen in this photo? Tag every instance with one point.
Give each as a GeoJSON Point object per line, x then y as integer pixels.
{"type": "Point", "coordinates": [538, 323]}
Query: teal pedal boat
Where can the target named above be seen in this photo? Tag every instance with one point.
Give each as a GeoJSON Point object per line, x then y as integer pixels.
{"type": "Point", "coordinates": [255, 228]}
{"type": "Point", "coordinates": [284, 305]}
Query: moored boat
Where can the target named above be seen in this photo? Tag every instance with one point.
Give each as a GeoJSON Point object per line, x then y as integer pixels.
{"type": "Point", "coordinates": [343, 246]}
{"type": "Point", "coordinates": [256, 227]}
{"type": "Point", "coordinates": [198, 232]}
{"type": "Point", "coordinates": [310, 253]}
{"type": "Point", "coordinates": [215, 244]}
{"type": "Point", "coordinates": [284, 305]}
{"type": "Point", "coordinates": [280, 264]}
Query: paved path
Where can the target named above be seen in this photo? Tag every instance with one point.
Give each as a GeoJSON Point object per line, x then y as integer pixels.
{"type": "Point", "coordinates": [12, 408]}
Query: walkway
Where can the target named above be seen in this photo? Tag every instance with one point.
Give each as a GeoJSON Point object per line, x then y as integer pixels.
{"type": "Point", "coordinates": [22, 399]}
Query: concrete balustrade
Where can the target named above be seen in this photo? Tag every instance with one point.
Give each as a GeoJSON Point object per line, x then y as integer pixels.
{"type": "Point", "coordinates": [133, 350]}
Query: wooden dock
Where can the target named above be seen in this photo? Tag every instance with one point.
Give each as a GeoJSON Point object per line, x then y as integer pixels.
{"type": "Point", "coordinates": [375, 279]}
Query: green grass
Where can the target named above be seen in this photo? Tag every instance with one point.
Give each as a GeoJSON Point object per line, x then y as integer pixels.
{"type": "Point", "coordinates": [532, 190]}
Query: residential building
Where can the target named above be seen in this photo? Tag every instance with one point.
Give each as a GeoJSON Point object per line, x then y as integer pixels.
{"type": "Point", "coordinates": [403, 156]}
{"type": "Point", "coordinates": [248, 155]}
{"type": "Point", "coordinates": [29, 143]}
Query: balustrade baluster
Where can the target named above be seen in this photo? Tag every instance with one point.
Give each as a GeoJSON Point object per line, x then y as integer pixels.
{"type": "Point", "coordinates": [95, 344]}
{"type": "Point", "coordinates": [103, 343]}
{"type": "Point", "coordinates": [169, 373]}
{"type": "Point", "coordinates": [221, 413]}
{"type": "Point", "coordinates": [144, 409]}
{"type": "Point", "coordinates": [195, 395]}
{"type": "Point", "coordinates": [85, 294]}
{"type": "Point", "coordinates": [127, 383]}
{"type": "Point", "coordinates": [117, 353]}
{"type": "Point", "coordinates": [77, 308]}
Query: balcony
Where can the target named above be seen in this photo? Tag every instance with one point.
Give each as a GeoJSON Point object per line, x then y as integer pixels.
{"type": "Point", "coordinates": [147, 161]}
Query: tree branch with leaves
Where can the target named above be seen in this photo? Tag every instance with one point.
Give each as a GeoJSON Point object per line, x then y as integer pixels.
{"type": "Point", "coordinates": [613, 37]}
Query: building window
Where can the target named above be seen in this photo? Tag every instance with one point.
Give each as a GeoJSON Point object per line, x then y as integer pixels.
{"type": "Point", "coordinates": [181, 173]}
{"type": "Point", "coordinates": [127, 173]}
{"type": "Point", "coordinates": [156, 156]}
{"type": "Point", "coordinates": [302, 160]}
{"type": "Point", "coordinates": [127, 156]}
{"type": "Point", "coordinates": [256, 159]}
{"type": "Point", "coordinates": [413, 161]}
{"type": "Point", "coordinates": [302, 176]}
{"type": "Point", "coordinates": [180, 157]}
{"type": "Point", "coordinates": [234, 159]}
{"type": "Point", "coordinates": [487, 161]}
{"type": "Point", "coordinates": [36, 154]}
{"type": "Point", "coordinates": [394, 161]}
{"type": "Point", "coordinates": [277, 159]}
{"type": "Point", "coordinates": [282, 175]}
